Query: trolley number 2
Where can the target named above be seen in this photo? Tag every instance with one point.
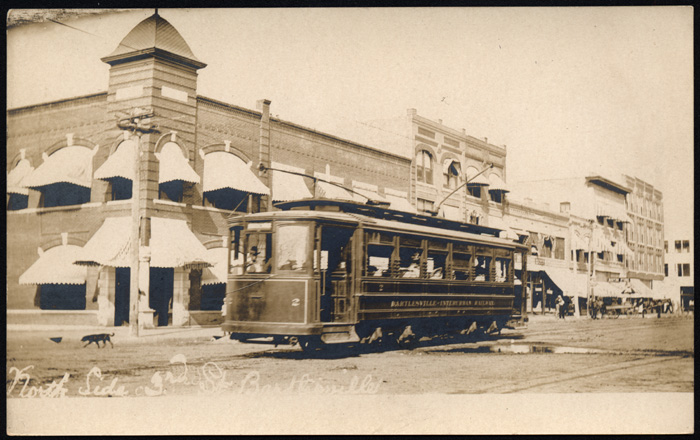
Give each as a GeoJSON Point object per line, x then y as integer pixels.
{"type": "Point", "coordinates": [296, 302]}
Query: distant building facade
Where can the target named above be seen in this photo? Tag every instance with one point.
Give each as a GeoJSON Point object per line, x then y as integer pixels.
{"type": "Point", "coordinates": [598, 220]}
{"type": "Point", "coordinates": [645, 233]}
{"type": "Point", "coordinates": [679, 270]}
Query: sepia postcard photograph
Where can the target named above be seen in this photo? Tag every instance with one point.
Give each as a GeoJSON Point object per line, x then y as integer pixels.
{"type": "Point", "coordinates": [399, 220]}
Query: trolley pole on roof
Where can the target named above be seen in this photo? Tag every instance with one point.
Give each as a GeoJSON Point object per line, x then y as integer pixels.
{"type": "Point", "coordinates": [138, 124]}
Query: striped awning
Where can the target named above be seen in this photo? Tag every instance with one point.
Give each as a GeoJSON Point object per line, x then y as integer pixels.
{"type": "Point", "coordinates": [172, 244]}
{"type": "Point", "coordinates": [641, 289]}
{"type": "Point", "coordinates": [364, 194]}
{"type": "Point", "coordinates": [400, 204]}
{"type": "Point", "coordinates": [452, 213]}
{"type": "Point", "coordinates": [119, 164]}
{"type": "Point", "coordinates": [480, 180]}
{"type": "Point", "coordinates": [330, 191]}
{"type": "Point", "coordinates": [218, 273]}
{"type": "Point", "coordinates": [286, 187]}
{"type": "Point", "coordinates": [448, 162]}
{"type": "Point", "coordinates": [506, 231]}
{"type": "Point", "coordinates": [605, 289]}
{"type": "Point", "coordinates": [15, 178]}
{"type": "Point", "coordinates": [69, 164]}
{"type": "Point", "coordinates": [497, 184]}
{"type": "Point", "coordinates": [225, 170]}
{"type": "Point", "coordinates": [174, 165]}
{"type": "Point", "coordinates": [568, 282]}
{"type": "Point", "coordinates": [55, 266]}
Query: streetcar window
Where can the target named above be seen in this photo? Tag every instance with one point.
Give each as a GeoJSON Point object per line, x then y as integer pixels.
{"type": "Point", "coordinates": [502, 266]}
{"type": "Point", "coordinates": [410, 257]}
{"type": "Point", "coordinates": [436, 265]}
{"type": "Point", "coordinates": [460, 266]}
{"type": "Point", "coordinates": [291, 248]}
{"type": "Point", "coordinates": [236, 253]}
{"type": "Point", "coordinates": [257, 260]}
{"type": "Point", "coordinates": [378, 260]}
{"type": "Point", "coordinates": [482, 264]}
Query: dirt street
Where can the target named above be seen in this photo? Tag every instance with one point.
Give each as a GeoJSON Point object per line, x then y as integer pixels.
{"type": "Point", "coordinates": [549, 356]}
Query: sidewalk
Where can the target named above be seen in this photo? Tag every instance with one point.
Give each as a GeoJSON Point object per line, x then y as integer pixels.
{"type": "Point", "coordinates": [69, 332]}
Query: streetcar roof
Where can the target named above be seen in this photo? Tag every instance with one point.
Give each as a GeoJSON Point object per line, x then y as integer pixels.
{"type": "Point", "coordinates": [376, 217]}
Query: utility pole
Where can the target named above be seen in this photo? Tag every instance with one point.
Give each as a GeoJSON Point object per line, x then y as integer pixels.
{"type": "Point", "coordinates": [138, 123]}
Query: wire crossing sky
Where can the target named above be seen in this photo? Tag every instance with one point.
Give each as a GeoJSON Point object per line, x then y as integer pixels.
{"type": "Point", "coordinates": [568, 90]}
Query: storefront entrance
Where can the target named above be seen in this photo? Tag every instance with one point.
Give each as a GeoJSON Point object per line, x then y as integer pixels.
{"type": "Point", "coordinates": [161, 294]}
{"type": "Point", "coordinates": [121, 295]}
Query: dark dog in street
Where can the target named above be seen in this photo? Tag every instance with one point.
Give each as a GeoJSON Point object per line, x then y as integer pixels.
{"type": "Point", "coordinates": [104, 337]}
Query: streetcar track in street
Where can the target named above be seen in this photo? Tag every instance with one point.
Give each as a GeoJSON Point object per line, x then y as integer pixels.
{"type": "Point", "coordinates": [569, 377]}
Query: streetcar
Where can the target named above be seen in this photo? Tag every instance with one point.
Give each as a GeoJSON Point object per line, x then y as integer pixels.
{"type": "Point", "coordinates": [322, 271]}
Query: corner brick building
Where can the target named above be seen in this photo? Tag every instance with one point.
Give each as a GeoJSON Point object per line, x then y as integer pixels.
{"type": "Point", "coordinates": [70, 172]}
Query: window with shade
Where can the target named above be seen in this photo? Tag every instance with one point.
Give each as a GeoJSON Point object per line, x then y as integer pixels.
{"type": "Point", "coordinates": [451, 174]}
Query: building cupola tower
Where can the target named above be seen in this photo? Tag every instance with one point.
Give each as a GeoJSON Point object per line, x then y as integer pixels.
{"type": "Point", "coordinates": [154, 68]}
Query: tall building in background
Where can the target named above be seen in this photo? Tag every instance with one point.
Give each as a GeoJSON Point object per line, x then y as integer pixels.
{"type": "Point", "coordinates": [679, 269]}
{"type": "Point", "coordinates": [645, 235]}
{"type": "Point", "coordinates": [598, 219]}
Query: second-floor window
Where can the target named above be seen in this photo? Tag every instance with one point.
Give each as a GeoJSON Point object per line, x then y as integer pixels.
{"type": "Point", "coordinates": [451, 174]}
{"type": "Point", "coordinates": [686, 246]}
{"type": "Point", "coordinates": [424, 167]}
{"type": "Point", "coordinates": [683, 270]}
{"type": "Point", "coordinates": [424, 205]}
{"type": "Point", "coordinates": [678, 246]}
{"type": "Point", "coordinates": [559, 247]}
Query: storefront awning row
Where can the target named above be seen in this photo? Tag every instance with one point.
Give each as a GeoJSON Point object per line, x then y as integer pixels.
{"type": "Point", "coordinates": [569, 283]}
{"type": "Point", "coordinates": [480, 180]}
{"type": "Point", "coordinates": [174, 165]}
{"type": "Point", "coordinates": [69, 164]}
{"type": "Point", "coordinates": [225, 170]}
{"type": "Point", "coordinates": [55, 266]}
{"type": "Point", "coordinates": [497, 184]}
{"type": "Point", "coordinates": [286, 187]}
{"type": "Point", "coordinates": [400, 204]}
{"type": "Point", "coordinates": [119, 164]}
{"type": "Point", "coordinates": [15, 178]}
{"type": "Point", "coordinates": [605, 289]}
{"type": "Point", "coordinates": [218, 273]}
{"type": "Point", "coordinates": [172, 244]}
{"type": "Point", "coordinates": [361, 195]}
{"type": "Point", "coordinates": [330, 191]}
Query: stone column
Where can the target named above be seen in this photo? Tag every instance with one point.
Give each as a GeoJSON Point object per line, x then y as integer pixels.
{"type": "Point", "coordinates": [181, 296]}
{"type": "Point", "coordinates": [92, 288]}
{"type": "Point", "coordinates": [105, 300]}
{"type": "Point", "coordinates": [145, 311]}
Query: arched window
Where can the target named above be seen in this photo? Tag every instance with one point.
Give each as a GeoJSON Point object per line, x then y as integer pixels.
{"type": "Point", "coordinates": [174, 173]}
{"type": "Point", "coordinates": [451, 173]}
{"type": "Point", "coordinates": [17, 193]}
{"type": "Point", "coordinates": [228, 181]}
{"type": "Point", "coordinates": [424, 167]}
{"type": "Point", "coordinates": [118, 170]}
{"type": "Point", "coordinates": [64, 178]}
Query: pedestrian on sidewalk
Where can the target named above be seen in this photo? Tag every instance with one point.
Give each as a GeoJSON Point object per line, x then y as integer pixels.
{"type": "Point", "coordinates": [561, 307]}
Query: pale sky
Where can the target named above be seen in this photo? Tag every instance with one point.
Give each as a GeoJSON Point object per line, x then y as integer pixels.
{"type": "Point", "coordinates": [568, 90]}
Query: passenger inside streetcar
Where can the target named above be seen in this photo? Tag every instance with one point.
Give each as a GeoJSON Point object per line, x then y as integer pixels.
{"type": "Point", "coordinates": [413, 269]}
{"type": "Point", "coordinates": [255, 263]}
{"type": "Point", "coordinates": [481, 266]}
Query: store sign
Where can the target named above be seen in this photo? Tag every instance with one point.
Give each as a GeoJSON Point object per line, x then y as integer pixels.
{"type": "Point", "coordinates": [616, 280]}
